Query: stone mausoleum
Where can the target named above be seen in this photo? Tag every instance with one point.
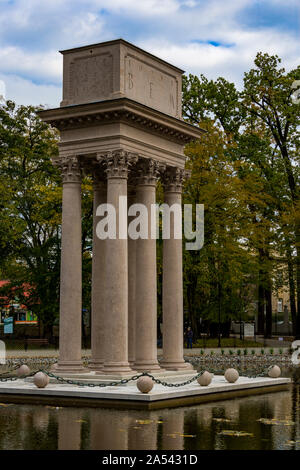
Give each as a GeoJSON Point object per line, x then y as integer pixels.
{"type": "Point", "coordinates": [120, 121]}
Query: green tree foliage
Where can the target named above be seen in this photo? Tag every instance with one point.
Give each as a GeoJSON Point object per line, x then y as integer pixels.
{"type": "Point", "coordinates": [260, 135]}
{"type": "Point", "coordinates": [30, 213]}
{"type": "Point", "coordinates": [269, 105]}
{"type": "Point", "coordinates": [219, 278]}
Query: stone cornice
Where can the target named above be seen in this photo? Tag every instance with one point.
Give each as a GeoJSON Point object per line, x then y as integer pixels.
{"type": "Point", "coordinates": [126, 43]}
{"type": "Point", "coordinates": [122, 110]}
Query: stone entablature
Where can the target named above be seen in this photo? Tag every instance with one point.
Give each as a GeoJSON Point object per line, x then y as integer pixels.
{"type": "Point", "coordinates": [117, 69]}
{"type": "Point", "coordinates": [121, 123]}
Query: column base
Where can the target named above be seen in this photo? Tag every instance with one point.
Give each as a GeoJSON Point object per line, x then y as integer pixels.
{"type": "Point", "coordinates": [72, 367]}
{"type": "Point", "coordinates": [116, 368]}
{"type": "Point", "coordinates": [146, 366]}
{"type": "Point", "coordinates": [178, 365]}
{"type": "Point", "coordinates": [95, 365]}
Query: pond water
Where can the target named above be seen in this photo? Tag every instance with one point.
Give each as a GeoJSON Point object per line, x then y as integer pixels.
{"type": "Point", "coordinates": [270, 421]}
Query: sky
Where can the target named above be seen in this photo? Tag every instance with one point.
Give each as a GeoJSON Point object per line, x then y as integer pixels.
{"type": "Point", "coordinates": [210, 37]}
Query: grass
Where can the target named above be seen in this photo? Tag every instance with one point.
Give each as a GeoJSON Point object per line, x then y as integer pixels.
{"type": "Point", "coordinates": [226, 343]}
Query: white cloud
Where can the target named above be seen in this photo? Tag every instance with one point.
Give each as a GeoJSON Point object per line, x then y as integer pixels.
{"type": "Point", "coordinates": [84, 29]}
{"type": "Point", "coordinates": [230, 62]}
{"type": "Point", "coordinates": [26, 92]}
{"type": "Point", "coordinates": [40, 65]}
{"type": "Point", "coordinates": [2, 91]}
{"type": "Point", "coordinates": [179, 31]}
{"type": "Point", "coordinates": [137, 7]}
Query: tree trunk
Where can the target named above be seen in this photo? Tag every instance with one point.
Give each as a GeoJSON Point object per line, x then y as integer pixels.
{"type": "Point", "coordinates": [297, 335]}
{"type": "Point", "coordinates": [268, 297]}
{"type": "Point", "coordinates": [192, 313]}
{"type": "Point", "coordinates": [292, 290]}
{"type": "Point", "coordinates": [261, 311]}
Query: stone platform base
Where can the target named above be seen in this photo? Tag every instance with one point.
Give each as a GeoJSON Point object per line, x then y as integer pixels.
{"type": "Point", "coordinates": [128, 397]}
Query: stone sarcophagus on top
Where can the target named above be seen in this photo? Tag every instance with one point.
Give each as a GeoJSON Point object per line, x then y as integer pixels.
{"type": "Point", "coordinates": [116, 95]}
{"type": "Point", "coordinates": [117, 69]}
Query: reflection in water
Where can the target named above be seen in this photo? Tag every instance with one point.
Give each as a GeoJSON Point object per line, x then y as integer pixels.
{"type": "Point", "coordinates": [205, 426]}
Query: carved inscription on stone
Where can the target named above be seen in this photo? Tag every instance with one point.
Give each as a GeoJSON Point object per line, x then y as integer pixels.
{"type": "Point", "coordinates": [91, 78]}
{"type": "Point", "coordinates": [151, 86]}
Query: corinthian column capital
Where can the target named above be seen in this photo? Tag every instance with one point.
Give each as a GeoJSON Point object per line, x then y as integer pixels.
{"type": "Point", "coordinates": [148, 172]}
{"type": "Point", "coordinates": [70, 169]}
{"type": "Point", "coordinates": [173, 179]}
{"type": "Point", "coordinates": [118, 163]}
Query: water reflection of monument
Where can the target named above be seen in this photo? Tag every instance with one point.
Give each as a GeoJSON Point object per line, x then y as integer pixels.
{"type": "Point", "coordinates": [196, 427]}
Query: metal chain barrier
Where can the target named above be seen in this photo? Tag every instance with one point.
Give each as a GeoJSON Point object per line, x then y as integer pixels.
{"type": "Point", "coordinates": [120, 382]}
{"type": "Point", "coordinates": [12, 370]}
{"type": "Point", "coordinates": [14, 378]}
{"type": "Point", "coordinates": [126, 381]}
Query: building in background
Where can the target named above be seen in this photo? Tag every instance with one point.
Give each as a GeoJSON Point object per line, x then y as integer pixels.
{"type": "Point", "coordinates": [20, 313]}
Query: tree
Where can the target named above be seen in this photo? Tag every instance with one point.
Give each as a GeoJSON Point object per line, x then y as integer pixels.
{"type": "Point", "coordinates": [219, 277]}
{"type": "Point", "coordinates": [260, 128]}
{"type": "Point", "coordinates": [267, 100]}
{"type": "Point", "coordinates": [30, 213]}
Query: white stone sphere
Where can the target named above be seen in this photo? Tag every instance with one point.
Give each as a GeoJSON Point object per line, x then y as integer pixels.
{"type": "Point", "coordinates": [274, 372]}
{"type": "Point", "coordinates": [205, 379]}
{"type": "Point", "coordinates": [145, 384]}
{"type": "Point", "coordinates": [41, 380]}
{"type": "Point", "coordinates": [231, 375]}
{"type": "Point", "coordinates": [23, 370]}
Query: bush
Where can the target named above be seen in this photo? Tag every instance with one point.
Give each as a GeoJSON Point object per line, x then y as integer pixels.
{"type": "Point", "coordinates": [253, 352]}
{"type": "Point", "coordinates": [201, 352]}
{"type": "Point", "coordinates": [245, 352]}
{"type": "Point", "coordinates": [212, 353]}
{"type": "Point", "coordinates": [238, 352]}
{"type": "Point", "coordinates": [271, 351]}
{"type": "Point", "coordinates": [280, 351]}
{"type": "Point", "coordinates": [222, 352]}
{"type": "Point", "coordinates": [262, 351]}
{"type": "Point", "coordinates": [230, 352]}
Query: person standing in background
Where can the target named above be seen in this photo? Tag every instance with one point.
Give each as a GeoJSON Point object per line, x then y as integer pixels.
{"type": "Point", "coordinates": [189, 338]}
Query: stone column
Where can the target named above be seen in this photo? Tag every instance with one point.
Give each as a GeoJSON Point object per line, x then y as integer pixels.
{"type": "Point", "coordinates": [116, 330]}
{"type": "Point", "coordinates": [172, 281]}
{"type": "Point", "coordinates": [71, 269]}
{"type": "Point", "coordinates": [98, 280]}
{"type": "Point", "coordinates": [131, 286]}
{"type": "Point", "coordinates": [146, 288]}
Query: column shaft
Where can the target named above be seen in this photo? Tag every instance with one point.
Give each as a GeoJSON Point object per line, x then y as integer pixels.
{"type": "Point", "coordinates": [98, 283]}
{"type": "Point", "coordinates": [71, 270]}
{"type": "Point", "coordinates": [131, 290]}
{"type": "Point", "coordinates": [173, 292]}
{"type": "Point", "coordinates": [116, 337]}
{"type": "Point", "coordinates": [146, 283]}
